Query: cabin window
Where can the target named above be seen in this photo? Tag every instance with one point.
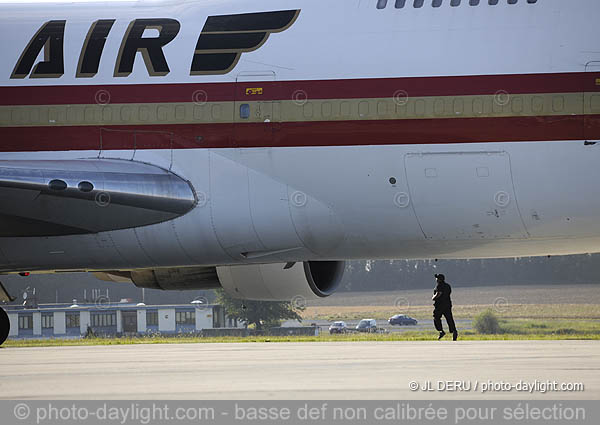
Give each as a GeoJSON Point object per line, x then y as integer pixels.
{"type": "Point", "coordinates": [417, 4]}
{"type": "Point", "coordinates": [244, 111]}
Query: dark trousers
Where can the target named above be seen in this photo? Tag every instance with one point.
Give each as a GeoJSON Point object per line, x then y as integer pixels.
{"type": "Point", "coordinates": [437, 319]}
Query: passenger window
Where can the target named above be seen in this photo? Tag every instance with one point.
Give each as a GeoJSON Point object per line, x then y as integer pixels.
{"type": "Point", "coordinates": [492, 2]}
{"type": "Point", "coordinates": [473, 2]}
{"type": "Point", "coordinates": [244, 111]}
{"type": "Point", "coordinates": [436, 3]}
{"type": "Point", "coordinates": [363, 109]}
{"type": "Point", "coordinates": [400, 4]}
{"type": "Point", "coordinates": [418, 3]}
{"type": "Point", "coordinates": [454, 3]}
{"type": "Point", "coordinates": [381, 4]}
{"type": "Point", "coordinates": [531, 1]}
{"type": "Point", "coordinates": [512, 1]}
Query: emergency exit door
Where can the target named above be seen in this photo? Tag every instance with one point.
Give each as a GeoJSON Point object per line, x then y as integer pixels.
{"type": "Point", "coordinates": [256, 110]}
{"type": "Point", "coordinates": [592, 102]}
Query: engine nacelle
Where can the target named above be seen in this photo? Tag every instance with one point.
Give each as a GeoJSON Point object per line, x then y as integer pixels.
{"type": "Point", "coordinates": [168, 279]}
{"type": "Point", "coordinates": [281, 282]}
{"type": "Point", "coordinates": [263, 282]}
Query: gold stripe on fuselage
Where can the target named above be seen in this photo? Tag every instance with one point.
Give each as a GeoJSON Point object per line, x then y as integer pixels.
{"type": "Point", "coordinates": [430, 107]}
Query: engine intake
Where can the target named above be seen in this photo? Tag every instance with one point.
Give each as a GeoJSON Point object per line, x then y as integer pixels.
{"type": "Point", "coordinates": [280, 282]}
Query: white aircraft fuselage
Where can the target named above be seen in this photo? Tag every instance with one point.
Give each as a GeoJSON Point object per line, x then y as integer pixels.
{"type": "Point", "coordinates": [299, 130]}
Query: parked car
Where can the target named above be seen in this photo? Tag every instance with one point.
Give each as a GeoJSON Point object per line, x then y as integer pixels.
{"type": "Point", "coordinates": [367, 325]}
{"type": "Point", "coordinates": [338, 328]}
{"type": "Point", "coordinates": [402, 320]}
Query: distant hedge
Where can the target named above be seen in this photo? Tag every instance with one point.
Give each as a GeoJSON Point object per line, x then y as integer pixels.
{"type": "Point", "coordinates": [486, 322]}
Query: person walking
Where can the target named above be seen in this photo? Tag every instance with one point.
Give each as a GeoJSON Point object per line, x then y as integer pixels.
{"type": "Point", "coordinates": [442, 306]}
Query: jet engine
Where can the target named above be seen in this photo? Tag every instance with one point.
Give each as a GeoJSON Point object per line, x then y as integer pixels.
{"type": "Point", "coordinates": [265, 282]}
{"type": "Point", "coordinates": [279, 282]}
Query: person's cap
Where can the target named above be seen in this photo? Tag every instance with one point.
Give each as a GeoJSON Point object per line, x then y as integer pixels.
{"type": "Point", "coordinates": [440, 276]}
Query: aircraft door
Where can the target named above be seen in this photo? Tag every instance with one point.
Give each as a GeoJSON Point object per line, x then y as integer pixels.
{"type": "Point", "coordinates": [592, 102]}
{"type": "Point", "coordinates": [256, 110]}
{"type": "Point", "coordinates": [464, 195]}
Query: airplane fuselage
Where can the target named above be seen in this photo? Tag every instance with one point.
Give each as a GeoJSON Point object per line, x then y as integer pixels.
{"type": "Point", "coordinates": [308, 130]}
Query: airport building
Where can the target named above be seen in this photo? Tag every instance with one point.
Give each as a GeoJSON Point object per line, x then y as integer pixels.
{"type": "Point", "coordinates": [59, 320]}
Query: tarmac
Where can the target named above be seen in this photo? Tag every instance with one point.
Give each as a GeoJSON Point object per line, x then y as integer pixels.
{"type": "Point", "coordinates": [310, 371]}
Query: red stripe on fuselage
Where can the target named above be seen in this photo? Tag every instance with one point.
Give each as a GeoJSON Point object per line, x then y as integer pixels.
{"type": "Point", "coordinates": [321, 133]}
{"type": "Point", "coordinates": [313, 89]}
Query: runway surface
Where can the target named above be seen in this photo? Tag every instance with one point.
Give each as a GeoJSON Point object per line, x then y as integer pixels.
{"type": "Point", "coordinates": [361, 370]}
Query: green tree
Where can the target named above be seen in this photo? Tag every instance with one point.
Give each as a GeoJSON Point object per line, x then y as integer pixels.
{"type": "Point", "coordinates": [263, 314]}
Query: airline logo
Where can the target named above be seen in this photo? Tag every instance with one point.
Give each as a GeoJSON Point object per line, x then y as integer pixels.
{"type": "Point", "coordinates": [225, 38]}
{"type": "Point", "coordinates": [220, 45]}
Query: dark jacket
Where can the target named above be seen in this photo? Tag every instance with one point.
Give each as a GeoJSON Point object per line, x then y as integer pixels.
{"type": "Point", "coordinates": [443, 301]}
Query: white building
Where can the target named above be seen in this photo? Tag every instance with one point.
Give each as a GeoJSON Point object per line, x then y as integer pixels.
{"type": "Point", "coordinates": [54, 320]}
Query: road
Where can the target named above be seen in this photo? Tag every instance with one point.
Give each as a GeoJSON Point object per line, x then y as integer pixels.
{"type": "Point", "coordinates": [422, 325]}
{"type": "Point", "coordinates": [332, 370]}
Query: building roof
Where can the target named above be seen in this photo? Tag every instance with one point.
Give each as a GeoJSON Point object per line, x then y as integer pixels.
{"type": "Point", "coordinates": [50, 308]}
